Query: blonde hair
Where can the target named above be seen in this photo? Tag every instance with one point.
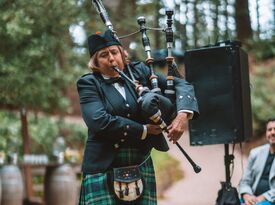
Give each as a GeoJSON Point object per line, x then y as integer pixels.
{"type": "Point", "coordinates": [93, 62]}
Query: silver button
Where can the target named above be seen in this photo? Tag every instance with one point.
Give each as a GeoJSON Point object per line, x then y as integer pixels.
{"type": "Point", "coordinates": [127, 126]}
{"type": "Point", "coordinates": [116, 145]}
{"type": "Point", "coordinates": [180, 97]}
{"type": "Point", "coordinates": [125, 133]}
{"type": "Point", "coordinates": [127, 105]}
{"type": "Point", "coordinates": [128, 115]}
{"type": "Point", "coordinates": [188, 96]}
{"type": "Point", "coordinates": [122, 140]}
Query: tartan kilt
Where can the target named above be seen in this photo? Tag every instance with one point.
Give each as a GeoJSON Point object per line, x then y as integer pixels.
{"type": "Point", "coordinates": [97, 189]}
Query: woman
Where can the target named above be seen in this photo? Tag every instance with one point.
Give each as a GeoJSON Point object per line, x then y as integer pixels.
{"type": "Point", "coordinates": [118, 136]}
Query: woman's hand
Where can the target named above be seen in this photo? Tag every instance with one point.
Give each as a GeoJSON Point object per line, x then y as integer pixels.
{"type": "Point", "coordinates": [177, 127]}
{"type": "Point", "coordinates": [153, 129]}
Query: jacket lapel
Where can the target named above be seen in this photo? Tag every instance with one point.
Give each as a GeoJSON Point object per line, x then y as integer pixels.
{"type": "Point", "coordinates": [272, 170]}
{"type": "Point", "coordinates": [112, 95]}
{"type": "Point", "coordinates": [114, 98]}
{"type": "Point", "coordinates": [262, 159]}
{"type": "Point", "coordinates": [128, 87]}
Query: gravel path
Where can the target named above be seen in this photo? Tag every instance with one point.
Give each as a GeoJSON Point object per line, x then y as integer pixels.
{"type": "Point", "coordinates": [201, 188]}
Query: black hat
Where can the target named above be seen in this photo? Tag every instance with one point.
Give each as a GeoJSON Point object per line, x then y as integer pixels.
{"type": "Point", "coordinates": [98, 41]}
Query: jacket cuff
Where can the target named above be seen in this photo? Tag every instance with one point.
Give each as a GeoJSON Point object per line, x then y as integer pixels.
{"type": "Point", "coordinates": [190, 113]}
{"type": "Point", "coordinates": [269, 197]}
{"type": "Point", "coordinates": [144, 133]}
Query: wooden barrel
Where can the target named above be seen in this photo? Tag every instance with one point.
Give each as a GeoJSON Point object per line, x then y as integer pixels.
{"type": "Point", "coordinates": [60, 185]}
{"type": "Point", "coordinates": [12, 185]}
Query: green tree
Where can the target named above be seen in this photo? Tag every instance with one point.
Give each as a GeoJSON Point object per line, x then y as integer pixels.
{"type": "Point", "coordinates": [35, 49]}
{"type": "Point", "coordinates": [36, 58]}
{"type": "Point", "coordinates": [36, 54]}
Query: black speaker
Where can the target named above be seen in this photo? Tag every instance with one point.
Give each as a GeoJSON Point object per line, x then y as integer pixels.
{"type": "Point", "coordinates": [220, 76]}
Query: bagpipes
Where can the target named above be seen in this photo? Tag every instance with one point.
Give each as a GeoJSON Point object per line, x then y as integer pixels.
{"type": "Point", "coordinates": [155, 106]}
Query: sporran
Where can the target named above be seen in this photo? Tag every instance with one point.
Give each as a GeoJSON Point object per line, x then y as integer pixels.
{"type": "Point", "coordinates": [128, 185]}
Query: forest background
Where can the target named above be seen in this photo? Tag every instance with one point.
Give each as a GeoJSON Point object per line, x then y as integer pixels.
{"type": "Point", "coordinates": [43, 52]}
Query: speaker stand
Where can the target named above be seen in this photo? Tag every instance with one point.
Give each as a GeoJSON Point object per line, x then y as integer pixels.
{"type": "Point", "coordinates": [228, 160]}
{"type": "Point", "coordinates": [227, 194]}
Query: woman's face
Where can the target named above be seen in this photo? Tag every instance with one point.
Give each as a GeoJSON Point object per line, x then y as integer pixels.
{"type": "Point", "coordinates": [107, 58]}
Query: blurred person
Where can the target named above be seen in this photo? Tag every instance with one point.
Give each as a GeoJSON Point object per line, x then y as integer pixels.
{"type": "Point", "coordinates": [118, 137]}
{"type": "Point", "coordinates": [257, 185]}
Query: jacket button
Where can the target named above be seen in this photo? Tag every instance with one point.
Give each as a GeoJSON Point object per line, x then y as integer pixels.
{"type": "Point", "coordinates": [128, 115]}
{"type": "Point", "coordinates": [122, 140]}
{"type": "Point", "coordinates": [127, 105]}
{"type": "Point", "coordinates": [125, 133]}
{"type": "Point", "coordinates": [127, 126]}
{"type": "Point", "coordinates": [116, 145]}
{"type": "Point", "coordinates": [180, 97]}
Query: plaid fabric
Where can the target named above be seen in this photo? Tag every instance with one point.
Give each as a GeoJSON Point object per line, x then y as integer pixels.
{"type": "Point", "coordinates": [96, 189]}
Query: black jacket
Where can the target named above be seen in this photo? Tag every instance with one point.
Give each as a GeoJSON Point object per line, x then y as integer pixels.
{"type": "Point", "coordinates": [114, 122]}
